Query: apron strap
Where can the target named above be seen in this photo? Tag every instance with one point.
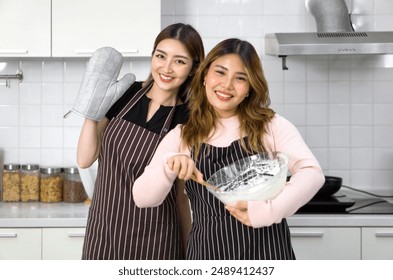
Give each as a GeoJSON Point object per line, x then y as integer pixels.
{"type": "Point", "coordinates": [135, 99]}
{"type": "Point", "coordinates": [168, 121]}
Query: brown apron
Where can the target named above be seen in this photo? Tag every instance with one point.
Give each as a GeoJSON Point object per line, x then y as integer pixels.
{"type": "Point", "coordinates": [116, 228]}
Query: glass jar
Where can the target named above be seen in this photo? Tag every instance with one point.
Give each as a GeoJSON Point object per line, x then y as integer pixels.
{"type": "Point", "coordinates": [73, 190]}
{"type": "Point", "coordinates": [30, 182]}
{"type": "Point", "coordinates": [51, 184]}
{"type": "Point", "coordinates": [11, 182]}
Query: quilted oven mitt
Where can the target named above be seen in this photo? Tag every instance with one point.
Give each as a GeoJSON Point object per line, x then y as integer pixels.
{"type": "Point", "coordinates": [100, 88]}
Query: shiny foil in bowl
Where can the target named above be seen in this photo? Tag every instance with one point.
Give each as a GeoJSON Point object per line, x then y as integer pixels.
{"type": "Point", "coordinates": [257, 177]}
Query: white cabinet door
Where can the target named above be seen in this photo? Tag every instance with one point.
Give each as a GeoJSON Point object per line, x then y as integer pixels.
{"type": "Point", "coordinates": [81, 27]}
{"type": "Point", "coordinates": [326, 243]}
{"type": "Point", "coordinates": [20, 244]}
{"type": "Point", "coordinates": [377, 243]}
{"type": "Point", "coordinates": [25, 28]}
{"type": "Point", "coordinates": [62, 243]}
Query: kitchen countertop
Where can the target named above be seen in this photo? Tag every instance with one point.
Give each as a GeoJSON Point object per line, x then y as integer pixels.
{"type": "Point", "coordinates": [37, 214]}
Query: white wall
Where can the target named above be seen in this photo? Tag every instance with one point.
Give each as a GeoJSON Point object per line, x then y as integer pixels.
{"type": "Point", "coordinates": [342, 105]}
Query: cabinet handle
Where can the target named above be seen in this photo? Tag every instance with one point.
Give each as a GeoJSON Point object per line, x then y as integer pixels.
{"type": "Point", "coordinates": [76, 234]}
{"type": "Point", "coordinates": [384, 234]}
{"type": "Point", "coordinates": [13, 51]}
{"type": "Point", "coordinates": [306, 234]}
{"type": "Point", "coordinates": [8, 235]}
{"type": "Point", "coordinates": [84, 51]}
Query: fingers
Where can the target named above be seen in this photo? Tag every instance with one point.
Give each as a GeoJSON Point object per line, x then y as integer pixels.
{"type": "Point", "coordinates": [183, 165]}
{"type": "Point", "coordinates": [239, 210]}
{"type": "Point", "coordinates": [198, 175]}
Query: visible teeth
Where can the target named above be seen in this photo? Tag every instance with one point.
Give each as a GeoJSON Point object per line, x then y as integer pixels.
{"type": "Point", "coordinates": [165, 77]}
{"type": "Point", "coordinates": [223, 95]}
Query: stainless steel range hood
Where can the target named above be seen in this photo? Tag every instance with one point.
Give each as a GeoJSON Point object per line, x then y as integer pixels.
{"type": "Point", "coordinates": [313, 43]}
{"type": "Point", "coordinates": [335, 35]}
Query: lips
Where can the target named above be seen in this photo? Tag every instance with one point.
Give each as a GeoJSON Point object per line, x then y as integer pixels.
{"type": "Point", "coordinates": [223, 96]}
{"type": "Point", "coordinates": [165, 78]}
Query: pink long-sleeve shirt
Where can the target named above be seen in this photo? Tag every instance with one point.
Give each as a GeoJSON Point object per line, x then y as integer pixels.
{"type": "Point", "coordinates": [151, 188]}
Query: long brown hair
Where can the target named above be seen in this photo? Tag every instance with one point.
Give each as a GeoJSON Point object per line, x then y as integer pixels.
{"type": "Point", "coordinates": [192, 41]}
{"type": "Point", "coordinates": [253, 111]}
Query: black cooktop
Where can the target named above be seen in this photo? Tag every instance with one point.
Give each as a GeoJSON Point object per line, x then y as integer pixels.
{"type": "Point", "coordinates": [345, 205]}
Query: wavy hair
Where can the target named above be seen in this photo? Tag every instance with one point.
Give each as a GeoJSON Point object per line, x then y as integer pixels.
{"type": "Point", "coordinates": [254, 112]}
{"type": "Point", "coordinates": [192, 41]}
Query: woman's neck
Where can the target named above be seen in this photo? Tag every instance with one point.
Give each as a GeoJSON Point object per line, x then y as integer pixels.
{"type": "Point", "coordinates": [162, 97]}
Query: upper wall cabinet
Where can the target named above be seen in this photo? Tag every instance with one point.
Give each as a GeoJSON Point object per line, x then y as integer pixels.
{"type": "Point", "coordinates": [80, 27]}
{"type": "Point", "coordinates": [25, 28]}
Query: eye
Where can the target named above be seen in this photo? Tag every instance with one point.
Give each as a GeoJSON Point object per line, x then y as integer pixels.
{"type": "Point", "coordinates": [241, 78]}
{"type": "Point", "coordinates": [179, 61]}
{"type": "Point", "coordinates": [219, 72]}
{"type": "Point", "coordinates": [159, 55]}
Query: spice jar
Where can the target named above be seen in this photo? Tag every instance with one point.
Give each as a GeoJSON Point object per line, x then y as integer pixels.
{"type": "Point", "coordinates": [73, 190]}
{"type": "Point", "coordinates": [11, 182]}
{"type": "Point", "coordinates": [51, 184]}
{"type": "Point", "coordinates": [30, 182]}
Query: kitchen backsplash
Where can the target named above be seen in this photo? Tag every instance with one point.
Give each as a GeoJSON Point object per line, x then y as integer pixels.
{"type": "Point", "coordinates": [342, 105]}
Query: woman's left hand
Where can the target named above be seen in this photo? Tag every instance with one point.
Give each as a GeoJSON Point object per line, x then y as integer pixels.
{"type": "Point", "coordinates": [239, 210]}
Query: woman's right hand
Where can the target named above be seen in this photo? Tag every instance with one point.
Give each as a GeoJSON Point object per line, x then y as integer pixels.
{"type": "Point", "coordinates": [184, 167]}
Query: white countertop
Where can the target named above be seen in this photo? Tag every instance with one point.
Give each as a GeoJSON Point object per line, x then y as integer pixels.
{"type": "Point", "coordinates": [38, 214]}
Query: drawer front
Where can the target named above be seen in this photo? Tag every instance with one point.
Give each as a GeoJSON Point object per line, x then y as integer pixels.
{"type": "Point", "coordinates": [326, 243]}
{"type": "Point", "coordinates": [377, 243]}
{"type": "Point", "coordinates": [20, 244]}
{"type": "Point", "coordinates": [62, 243]}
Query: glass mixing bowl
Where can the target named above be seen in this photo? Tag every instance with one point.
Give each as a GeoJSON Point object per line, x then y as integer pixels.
{"type": "Point", "coordinates": [257, 177]}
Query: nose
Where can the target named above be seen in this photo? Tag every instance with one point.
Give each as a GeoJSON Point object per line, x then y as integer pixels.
{"type": "Point", "coordinates": [227, 82]}
{"type": "Point", "coordinates": [168, 66]}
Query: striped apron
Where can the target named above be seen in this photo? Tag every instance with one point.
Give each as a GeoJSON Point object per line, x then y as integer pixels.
{"type": "Point", "coordinates": [116, 228]}
{"type": "Point", "coordinates": [215, 233]}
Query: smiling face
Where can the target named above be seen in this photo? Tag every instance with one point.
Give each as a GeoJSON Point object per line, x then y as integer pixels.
{"type": "Point", "coordinates": [170, 65]}
{"type": "Point", "coordinates": [227, 84]}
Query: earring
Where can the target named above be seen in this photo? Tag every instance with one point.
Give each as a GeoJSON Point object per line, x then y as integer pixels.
{"type": "Point", "coordinates": [247, 94]}
{"type": "Point", "coordinates": [204, 83]}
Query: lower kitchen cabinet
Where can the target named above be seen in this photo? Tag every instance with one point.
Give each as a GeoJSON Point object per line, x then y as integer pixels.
{"type": "Point", "coordinates": [377, 243]}
{"type": "Point", "coordinates": [41, 243]}
{"type": "Point", "coordinates": [62, 243]}
{"type": "Point", "coordinates": [326, 243]}
{"type": "Point", "coordinates": [20, 243]}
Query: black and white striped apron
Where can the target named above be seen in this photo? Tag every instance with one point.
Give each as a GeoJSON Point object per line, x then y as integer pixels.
{"type": "Point", "coordinates": [116, 228]}
{"type": "Point", "coordinates": [215, 233]}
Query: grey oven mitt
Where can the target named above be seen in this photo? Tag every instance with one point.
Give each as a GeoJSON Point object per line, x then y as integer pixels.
{"type": "Point", "coordinates": [99, 88]}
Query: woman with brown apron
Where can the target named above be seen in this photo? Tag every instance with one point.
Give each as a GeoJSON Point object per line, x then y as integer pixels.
{"type": "Point", "coordinates": [124, 142]}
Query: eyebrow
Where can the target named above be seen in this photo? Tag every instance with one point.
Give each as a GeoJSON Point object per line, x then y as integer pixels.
{"type": "Point", "coordinates": [224, 68]}
{"type": "Point", "coordinates": [177, 56]}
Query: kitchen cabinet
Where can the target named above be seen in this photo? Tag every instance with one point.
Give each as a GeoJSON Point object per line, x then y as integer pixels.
{"type": "Point", "coordinates": [62, 243]}
{"type": "Point", "coordinates": [377, 243]}
{"type": "Point", "coordinates": [20, 243]}
{"type": "Point", "coordinates": [41, 243]}
{"type": "Point", "coordinates": [328, 243]}
{"type": "Point", "coordinates": [80, 27]}
{"type": "Point", "coordinates": [73, 28]}
{"type": "Point", "coordinates": [25, 28]}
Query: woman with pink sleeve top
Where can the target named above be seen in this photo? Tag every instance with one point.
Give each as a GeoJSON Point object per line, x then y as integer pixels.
{"type": "Point", "coordinates": [230, 119]}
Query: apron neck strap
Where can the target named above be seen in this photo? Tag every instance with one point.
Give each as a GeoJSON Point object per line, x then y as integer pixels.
{"type": "Point", "coordinates": [138, 96]}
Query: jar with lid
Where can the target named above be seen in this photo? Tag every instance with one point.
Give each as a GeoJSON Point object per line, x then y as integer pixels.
{"type": "Point", "coordinates": [51, 184]}
{"type": "Point", "coordinates": [11, 182]}
{"type": "Point", "coordinates": [73, 190]}
{"type": "Point", "coordinates": [30, 182]}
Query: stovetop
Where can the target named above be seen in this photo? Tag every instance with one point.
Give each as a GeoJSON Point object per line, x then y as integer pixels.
{"type": "Point", "coordinates": [345, 205]}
